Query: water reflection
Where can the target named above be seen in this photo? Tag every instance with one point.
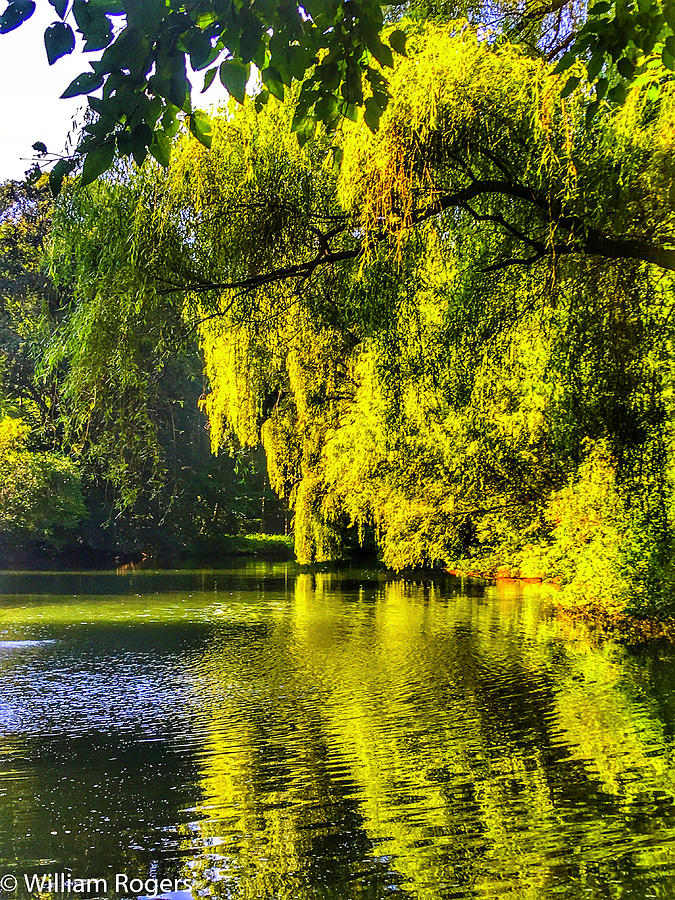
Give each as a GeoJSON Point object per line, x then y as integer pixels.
{"type": "Point", "coordinates": [266, 733]}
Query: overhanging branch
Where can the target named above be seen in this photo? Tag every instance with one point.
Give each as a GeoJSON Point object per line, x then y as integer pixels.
{"type": "Point", "coordinates": [580, 238]}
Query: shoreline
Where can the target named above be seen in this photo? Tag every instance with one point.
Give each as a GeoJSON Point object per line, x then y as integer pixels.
{"type": "Point", "coordinates": [609, 624]}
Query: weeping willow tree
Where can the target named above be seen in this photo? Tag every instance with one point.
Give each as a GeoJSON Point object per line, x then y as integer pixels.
{"type": "Point", "coordinates": [452, 336]}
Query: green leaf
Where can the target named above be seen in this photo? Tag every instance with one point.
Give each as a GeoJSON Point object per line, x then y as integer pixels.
{"type": "Point", "coordinates": [200, 49]}
{"type": "Point", "coordinates": [233, 77]}
{"type": "Point", "coordinates": [145, 15]}
{"type": "Point", "coordinates": [299, 60]}
{"type": "Point", "coordinates": [94, 25]}
{"type": "Point", "coordinates": [99, 106]}
{"type": "Point", "coordinates": [60, 6]}
{"type": "Point", "coordinates": [124, 143]}
{"type": "Point", "coordinates": [668, 59]}
{"type": "Point", "coordinates": [625, 67]}
{"type": "Point", "coordinates": [16, 14]}
{"type": "Point", "coordinates": [301, 112]}
{"type": "Point", "coordinates": [618, 94]}
{"type": "Point", "coordinates": [58, 173]}
{"type": "Point", "coordinates": [326, 108]}
{"type": "Point", "coordinates": [161, 148]}
{"type": "Point", "coordinates": [272, 81]}
{"type": "Point", "coordinates": [250, 40]}
{"type": "Point", "coordinates": [653, 92]}
{"type": "Point", "coordinates": [170, 80]}
{"type": "Point", "coordinates": [109, 7]}
{"type": "Point", "coordinates": [337, 154]}
{"type": "Point", "coordinates": [595, 65]}
{"type": "Point", "coordinates": [591, 112]}
{"type": "Point", "coordinates": [209, 78]}
{"type": "Point", "coordinates": [371, 114]}
{"type": "Point", "coordinates": [351, 112]}
{"type": "Point", "coordinates": [397, 40]}
{"type": "Point", "coordinates": [139, 140]}
{"type": "Point", "coordinates": [599, 8]}
{"type": "Point", "coordinates": [39, 147]}
{"type": "Point", "coordinates": [261, 99]}
{"type": "Point", "coordinates": [98, 161]}
{"type": "Point", "coordinates": [170, 122]}
{"type": "Point", "coordinates": [306, 131]}
{"type": "Point", "coordinates": [59, 41]}
{"type": "Point", "coordinates": [352, 87]}
{"type": "Point", "coordinates": [381, 52]}
{"type": "Point", "coordinates": [565, 62]}
{"type": "Point", "coordinates": [204, 19]}
{"type": "Point", "coordinates": [85, 83]}
{"type": "Point", "coordinates": [381, 99]}
{"type": "Point", "coordinates": [201, 127]}
{"type": "Point", "coordinates": [571, 84]}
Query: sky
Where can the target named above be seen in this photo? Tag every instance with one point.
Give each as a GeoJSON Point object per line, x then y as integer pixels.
{"type": "Point", "coordinates": [30, 108]}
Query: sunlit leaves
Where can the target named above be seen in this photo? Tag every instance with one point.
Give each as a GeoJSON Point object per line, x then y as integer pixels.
{"type": "Point", "coordinates": [201, 127]}
{"type": "Point", "coordinates": [31, 506]}
{"type": "Point", "coordinates": [160, 148]}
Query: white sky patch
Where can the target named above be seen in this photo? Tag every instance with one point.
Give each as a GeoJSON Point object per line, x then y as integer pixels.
{"type": "Point", "coordinates": [30, 106]}
{"type": "Point", "coordinates": [29, 90]}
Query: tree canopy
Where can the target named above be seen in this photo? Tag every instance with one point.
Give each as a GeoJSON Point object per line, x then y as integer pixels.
{"type": "Point", "coordinates": [452, 336]}
{"type": "Point", "coordinates": [139, 89]}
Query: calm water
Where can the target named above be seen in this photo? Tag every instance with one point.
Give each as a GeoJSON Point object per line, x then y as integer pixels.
{"type": "Point", "coordinates": [267, 734]}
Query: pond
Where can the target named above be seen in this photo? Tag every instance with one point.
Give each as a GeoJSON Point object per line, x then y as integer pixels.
{"type": "Point", "coordinates": [262, 732]}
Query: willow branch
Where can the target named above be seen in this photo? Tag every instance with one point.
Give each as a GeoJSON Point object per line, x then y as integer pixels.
{"type": "Point", "coordinates": [582, 239]}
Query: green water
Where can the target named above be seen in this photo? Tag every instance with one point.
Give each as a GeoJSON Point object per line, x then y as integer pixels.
{"type": "Point", "coordinates": [264, 733]}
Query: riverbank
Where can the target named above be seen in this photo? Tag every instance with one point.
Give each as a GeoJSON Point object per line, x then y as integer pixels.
{"type": "Point", "coordinates": [620, 626]}
{"type": "Point", "coordinates": [38, 556]}
{"type": "Point", "coordinates": [600, 621]}
{"type": "Point", "coordinates": [265, 546]}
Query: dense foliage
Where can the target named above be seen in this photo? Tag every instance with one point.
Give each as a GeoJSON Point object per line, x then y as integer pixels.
{"type": "Point", "coordinates": [40, 495]}
{"type": "Point", "coordinates": [452, 335]}
{"type": "Point", "coordinates": [126, 467]}
{"type": "Point", "coordinates": [139, 84]}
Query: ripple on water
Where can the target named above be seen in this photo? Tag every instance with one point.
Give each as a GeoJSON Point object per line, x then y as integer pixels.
{"type": "Point", "coordinates": [277, 735]}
